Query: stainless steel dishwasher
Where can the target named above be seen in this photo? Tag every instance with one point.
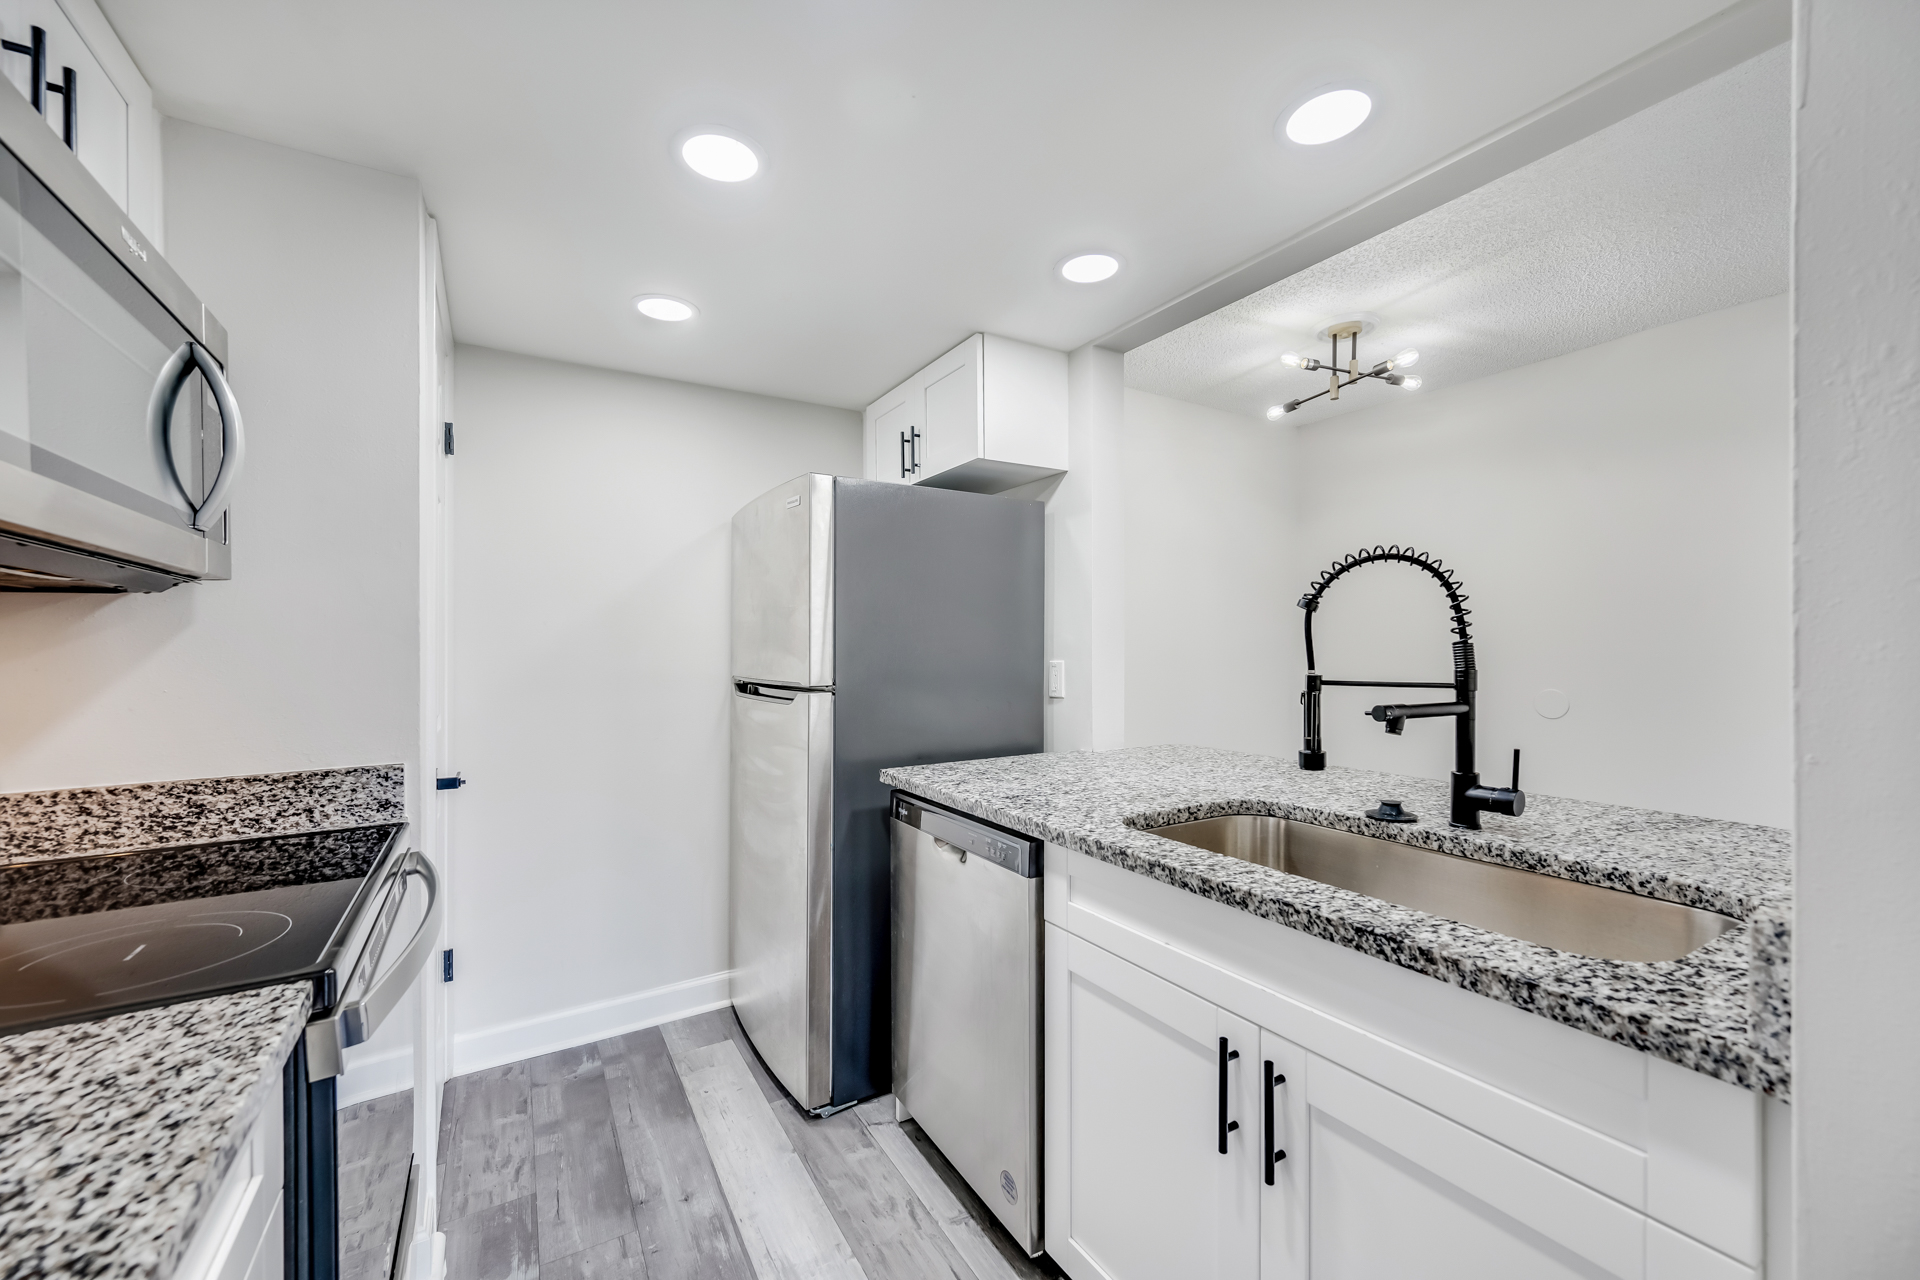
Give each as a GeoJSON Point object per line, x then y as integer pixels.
{"type": "Point", "coordinates": [966, 1001]}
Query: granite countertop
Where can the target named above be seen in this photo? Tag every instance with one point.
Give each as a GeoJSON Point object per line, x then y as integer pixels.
{"type": "Point", "coordinates": [1723, 1010]}
{"type": "Point", "coordinates": [115, 1134]}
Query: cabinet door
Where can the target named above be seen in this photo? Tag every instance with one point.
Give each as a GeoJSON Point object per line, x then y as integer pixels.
{"type": "Point", "coordinates": [1156, 1081]}
{"type": "Point", "coordinates": [896, 438]}
{"type": "Point", "coordinates": [102, 110]}
{"type": "Point", "coordinates": [1282, 1152]}
{"type": "Point", "coordinates": [953, 410]}
{"type": "Point", "coordinates": [1398, 1190]}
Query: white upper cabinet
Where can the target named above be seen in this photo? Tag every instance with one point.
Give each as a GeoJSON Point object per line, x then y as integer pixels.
{"type": "Point", "coordinates": [987, 416]}
{"type": "Point", "coordinates": [114, 128]}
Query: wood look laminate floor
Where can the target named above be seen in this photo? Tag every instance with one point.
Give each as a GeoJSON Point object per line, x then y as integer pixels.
{"type": "Point", "coordinates": [670, 1154]}
{"type": "Point", "coordinates": [376, 1152]}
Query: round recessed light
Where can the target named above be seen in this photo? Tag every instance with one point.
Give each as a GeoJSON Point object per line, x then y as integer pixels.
{"type": "Point", "coordinates": [722, 158]}
{"type": "Point", "coordinates": [658, 306]}
{"type": "Point", "coordinates": [1329, 116]}
{"type": "Point", "coordinates": [1089, 268]}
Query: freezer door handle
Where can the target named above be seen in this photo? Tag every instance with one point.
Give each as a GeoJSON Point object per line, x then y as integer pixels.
{"type": "Point", "coordinates": [764, 693]}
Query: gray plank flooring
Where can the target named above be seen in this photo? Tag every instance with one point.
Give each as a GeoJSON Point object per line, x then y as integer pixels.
{"type": "Point", "coordinates": [376, 1150]}
{"type": "Point", "coordinates": [671, 1154]}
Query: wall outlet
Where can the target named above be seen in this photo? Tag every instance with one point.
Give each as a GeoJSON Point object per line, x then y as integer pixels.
{"type": "Point", "coordinates": [1056, 678]}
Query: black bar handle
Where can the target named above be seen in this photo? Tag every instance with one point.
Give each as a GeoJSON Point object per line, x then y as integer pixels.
{"type": "Point", "coordinates": [913, 448]}
{"type": "Point", "coordinates": [903, 455]}
{"type": "Point", "coordinates": [1226, 1126]}
{"type": "Point", "coordinates": [1273, 1156]}
{"type": "Point", "coordinates": [36, 52]}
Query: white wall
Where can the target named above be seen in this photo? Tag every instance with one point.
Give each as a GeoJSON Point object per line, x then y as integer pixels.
{"type": "Point", "coordinates": [1210, 622]}
{"type": "Point", "coordinates": [1620, 523]}
{"type": "Point", "coordinates": [589, 694]}
{"type": "Point", "coordinates": [308, 657]}
{"type": "Point", "coordinates": [1086, 559]}
{"type": "Point", "coordinates": [1856, 368]}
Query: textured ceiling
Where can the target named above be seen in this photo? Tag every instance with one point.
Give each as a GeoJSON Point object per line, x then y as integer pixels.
{"type": "Point", "coordinates": [928, 162]}
{"type": "Point", "coordinates": [1676, 211]}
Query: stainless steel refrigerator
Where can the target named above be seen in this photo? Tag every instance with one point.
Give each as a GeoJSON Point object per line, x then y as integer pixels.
{"type": "Point", "coordinates": [874, 624]}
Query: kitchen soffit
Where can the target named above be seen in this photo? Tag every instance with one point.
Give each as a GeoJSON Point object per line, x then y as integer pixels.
{"type": "Point", "coordinates": [1676, 211]}
{"type": "Point", "coordinates": [925, 165]}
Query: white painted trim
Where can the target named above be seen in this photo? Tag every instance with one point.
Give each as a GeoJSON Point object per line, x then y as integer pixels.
{"type": "Point", "coordinates": [530, 1037]}
{"type": "Point", "coordinates": [375, 1077]}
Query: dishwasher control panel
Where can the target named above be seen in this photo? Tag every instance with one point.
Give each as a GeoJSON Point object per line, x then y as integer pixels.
{"type": "Point", "coordinates": [1017, 853]}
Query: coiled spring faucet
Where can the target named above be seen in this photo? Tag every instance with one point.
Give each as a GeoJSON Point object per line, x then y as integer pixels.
{"type": "Point", "coordinates": [1468, 798]}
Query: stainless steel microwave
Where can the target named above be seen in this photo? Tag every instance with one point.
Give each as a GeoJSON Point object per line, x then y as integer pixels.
{"type": "Point", "coordinates": [119, 437]}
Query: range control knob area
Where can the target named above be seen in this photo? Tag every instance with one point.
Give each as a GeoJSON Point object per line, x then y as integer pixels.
{"type": "Point", "coordinates": [1392, 811]}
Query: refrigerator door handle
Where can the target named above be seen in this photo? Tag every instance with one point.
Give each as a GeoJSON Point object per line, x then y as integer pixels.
{"type": "Point", "coordinates": [764, 693]}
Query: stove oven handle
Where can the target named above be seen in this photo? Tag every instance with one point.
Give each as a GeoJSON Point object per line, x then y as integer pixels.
{"type": "Point", "coordinates": [355, 1021]}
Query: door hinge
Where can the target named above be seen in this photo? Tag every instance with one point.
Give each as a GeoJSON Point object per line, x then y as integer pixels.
{"type": "Point", "coordinates": [446, 438]}
{"type": "Point", "coordinates": [449, 784]}
{"type": "Point", "coordinates": [446, 965]}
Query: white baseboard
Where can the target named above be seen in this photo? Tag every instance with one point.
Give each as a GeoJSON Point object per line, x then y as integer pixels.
{"type": "Point", "coordinates": [368, 1078]}
{"type": "Point", "coordinates": [583, 1024]}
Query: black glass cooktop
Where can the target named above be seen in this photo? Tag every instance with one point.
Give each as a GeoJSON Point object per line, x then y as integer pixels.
{"type": "Point", "coordinates": [84, 937]}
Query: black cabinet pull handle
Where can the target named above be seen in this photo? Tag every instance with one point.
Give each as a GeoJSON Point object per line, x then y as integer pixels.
{"type": "Point", "coordinates": [1274, 1156]}
{"type": "Point", "coordinates": [903, 455]}
{"type": "Point", "coordinates": [1226, 1126]}
{"type": "Point", "coordinates": [913, 449]}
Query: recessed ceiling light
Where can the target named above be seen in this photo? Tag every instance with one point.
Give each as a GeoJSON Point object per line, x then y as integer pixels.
{"type": "Point", "coordinates": [1329, 116]}
{"type": "Point", "coordinates": [717, 156]}
{"type": "Point", "coordinates": [1089, 268]}
{"type": "Point", "coordinates": [658, 306]}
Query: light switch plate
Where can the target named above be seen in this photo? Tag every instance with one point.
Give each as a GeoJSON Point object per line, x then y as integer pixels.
{"type": "Point", "coordinates": [1056, 678]}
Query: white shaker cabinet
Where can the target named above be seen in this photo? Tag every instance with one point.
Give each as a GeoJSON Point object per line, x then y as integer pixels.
{"type": "Point", "coordinates": [1584, 1160]}
{"type": "Point", "coordinates": [1398, 1190]}
{"type": "Point", "coordinates": [1157, 1082]}
{"type": "Point", "coordinates": [118, 130]}
{"type": "Point", "coordinates": [987, 416]}
{"type": "Point", "coordinates": [240, 1236]}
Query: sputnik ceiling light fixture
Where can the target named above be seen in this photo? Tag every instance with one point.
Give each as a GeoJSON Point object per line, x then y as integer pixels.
{"type": "Point", "coordinates": [1350, 328]}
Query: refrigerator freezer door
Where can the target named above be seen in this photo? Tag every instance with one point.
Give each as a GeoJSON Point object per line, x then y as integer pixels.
{"type": "Point", "coordinates": [782, 883]}
{"type": "Point", "coordinates": [783, 585]}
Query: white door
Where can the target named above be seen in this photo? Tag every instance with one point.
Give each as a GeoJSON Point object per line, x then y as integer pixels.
{"type": "Point", "coordinates": [1398, 1190]}
{"type": "Point", "coordinates": [1156, 1082]}
{"type": "Point", "coordinates": [953, 410]}
{"type": "Point", "coordinates": [1282, 1151]}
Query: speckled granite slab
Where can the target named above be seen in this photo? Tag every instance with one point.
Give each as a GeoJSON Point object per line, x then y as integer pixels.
{"type": "Point", "coordinates": [114, 1135]}
{"type": "Point", "coordinates": [47, 888]}
{"type": "Point", "coordinates": [58, 824]}
{"type": "Point", "coordinates": [1695, 1011]}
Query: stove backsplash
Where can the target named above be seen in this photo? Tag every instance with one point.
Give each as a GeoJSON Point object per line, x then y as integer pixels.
{"type": "Point", "coordinates": [36, 825]}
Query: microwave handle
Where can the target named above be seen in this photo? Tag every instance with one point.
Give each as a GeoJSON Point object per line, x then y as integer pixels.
{"type": "Point", "coordinates": [233, 441]}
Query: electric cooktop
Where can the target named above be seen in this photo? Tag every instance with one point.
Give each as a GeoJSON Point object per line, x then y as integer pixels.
{"type": "Point", "coordinates": [84, 937]}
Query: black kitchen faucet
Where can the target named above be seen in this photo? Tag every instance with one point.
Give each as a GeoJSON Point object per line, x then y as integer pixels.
{"type": "Point", "coordinates": [1469, 798]}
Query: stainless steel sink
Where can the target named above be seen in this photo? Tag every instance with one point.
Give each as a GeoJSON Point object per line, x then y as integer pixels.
{"type": "Point", "coordinates": [1582, 918]}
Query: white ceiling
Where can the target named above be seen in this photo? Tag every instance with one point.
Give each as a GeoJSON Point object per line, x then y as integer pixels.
{"type": "Point", "coordinates": [1676, 211]}
{"type": "Point", "coordinates": [927, 165]}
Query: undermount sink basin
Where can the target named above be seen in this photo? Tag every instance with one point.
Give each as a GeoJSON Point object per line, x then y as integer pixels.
{"type": "Point", "coordinates": [1585, 919]}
